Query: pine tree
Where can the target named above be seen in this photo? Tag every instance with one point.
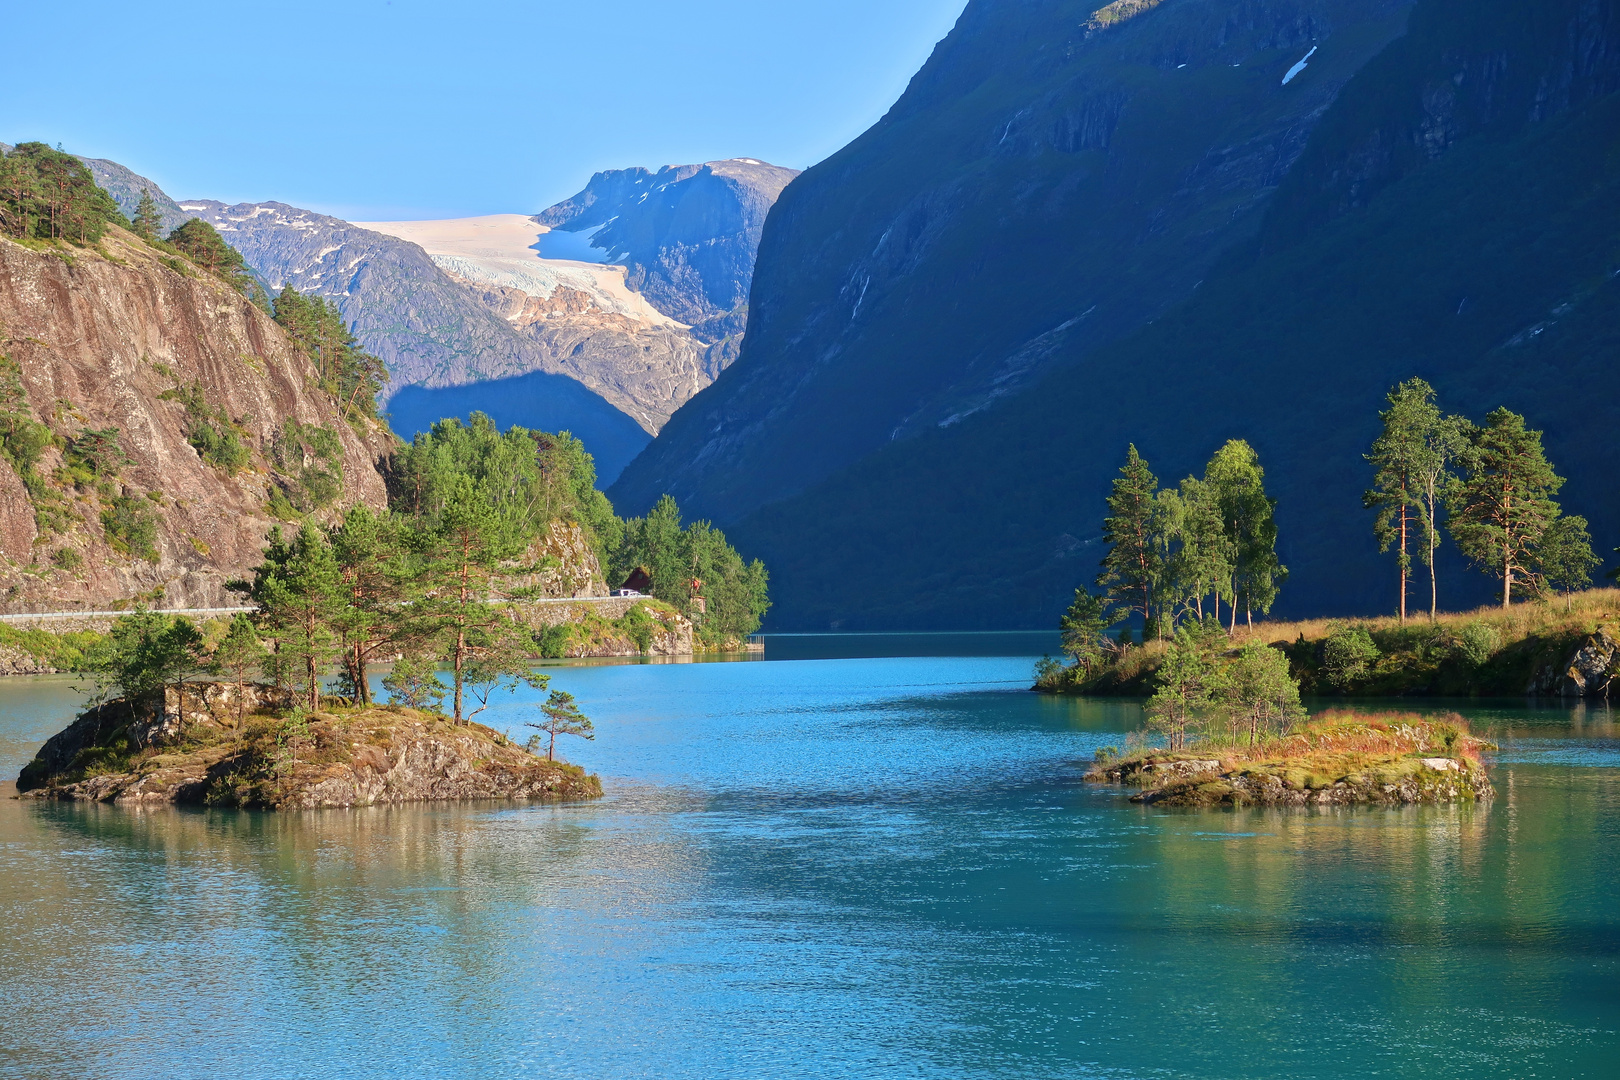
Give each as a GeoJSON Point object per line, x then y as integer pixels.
{"type": "Point", "coordinates": [1186, 681]}
{"type": "Point", "coordinates": [47, 194]}
{"type": "Point", "coordinates": [464, 551]}
{"type": "Point", "coordinates": [238, 653]}
{"type": "Point", "coordinates": [143, 653]}
{"type": "Point", "coordinates": [201, 243]}
{"type": "Point", "coordinates": [1084, 630]}
{"type": "Point", "coordinates": [1134, 563]}
{"type": "Point", "coordinates": [350, 374]}
{"type": "Point", "coordinates": [414, 684]}
{"type": "Point", "coordinates": [562, 718]}
{"type": "Point", "coordinates": [1502, 505]}
{"type": "Point", "coordinates": [148, 219]}
{"type": "Point", "coordinates": [375, 581]}
{"type": "Point", "coordinates": [297, 589]}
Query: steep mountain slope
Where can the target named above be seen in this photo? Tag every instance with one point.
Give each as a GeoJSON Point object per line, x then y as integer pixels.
{"type": "Point", "coordinates": [123, 354]}
{"type": "Point", "coordinates": [687, 233]}
{"type": "Point", "coordinates": [1054, 177]}
{"type": "Point", "coordinates": [1456, 215]}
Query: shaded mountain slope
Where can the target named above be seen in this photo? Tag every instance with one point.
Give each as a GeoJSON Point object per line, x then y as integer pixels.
{"type": "Point", "coordinates": [1485, 262]}
{"type": "Point", "coordinates": [1053, 178]}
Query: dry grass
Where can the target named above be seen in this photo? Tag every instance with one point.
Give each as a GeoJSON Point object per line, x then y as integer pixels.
{"type": "Point", "coordinates": [1587, 611]}
{"type": "Point", "coordinates": [1338, 742]}
{"type": "Point", "coordinates": [1346, 732]}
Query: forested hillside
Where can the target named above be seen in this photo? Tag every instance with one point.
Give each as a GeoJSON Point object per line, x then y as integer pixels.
{"type": "Point", "coordinates": [1453, 216]}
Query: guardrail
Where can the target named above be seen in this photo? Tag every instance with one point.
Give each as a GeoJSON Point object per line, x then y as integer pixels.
{"type": "Point", "coordinates": [26, 615]}
{"type": "Point", "coordinates": [127, 611]}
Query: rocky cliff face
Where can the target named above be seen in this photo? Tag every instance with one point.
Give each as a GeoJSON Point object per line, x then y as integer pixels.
{"type": "Point", "coordinates": [120, 355]}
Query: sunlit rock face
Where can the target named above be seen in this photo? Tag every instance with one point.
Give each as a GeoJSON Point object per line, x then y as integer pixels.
{"type": "Point", "coordinates": [115, 340]}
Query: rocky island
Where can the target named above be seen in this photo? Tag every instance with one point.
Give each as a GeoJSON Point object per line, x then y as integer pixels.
{"type": "Point", "coordinates": [212, 747]}
{"type": "Point", "coordinates": [1339, 759]}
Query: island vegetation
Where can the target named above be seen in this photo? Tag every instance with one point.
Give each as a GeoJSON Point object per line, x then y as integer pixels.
{"type": "Point", "coordinates": [1173, 557]}
{"type": "Point", "coordinates": [1336, 759]}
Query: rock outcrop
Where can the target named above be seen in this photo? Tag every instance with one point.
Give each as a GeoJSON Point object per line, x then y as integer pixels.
{"type": "Point", "coordinates": [597, 627]}
{"type": "Point", "coordinates": [200, 752]}
{"type": "Point", "coordinates": [1588, 672]}
{"type": "Point", "coordinates": [1207, 783]}
{"type": "Point", "coordinates": [121, 351]}
{"type": "Point", "coordinates": [1334, 760]}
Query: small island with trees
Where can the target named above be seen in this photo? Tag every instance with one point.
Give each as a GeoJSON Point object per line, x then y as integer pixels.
{"type": "Point", "coordinates": [1223, 693]}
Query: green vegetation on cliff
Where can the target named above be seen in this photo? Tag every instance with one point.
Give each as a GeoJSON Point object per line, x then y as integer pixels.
{"type": "Point", "coordinates": [47, 194]}
{"type": "Point", "coordinates": [351, 375]}
{"type": "Point", "coordinates": [537, 478]}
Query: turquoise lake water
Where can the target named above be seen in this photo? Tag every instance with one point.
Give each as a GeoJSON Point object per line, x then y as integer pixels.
{"type": "Point", "coordinates": [853, 867]}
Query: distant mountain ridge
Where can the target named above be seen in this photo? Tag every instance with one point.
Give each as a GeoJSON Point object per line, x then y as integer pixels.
{"type": "Point", "coordinates": [430, 330]}
{"type": "Point", "coordinates": [536, 343]}
{"type": "Point", "coordinates": [687, 233]}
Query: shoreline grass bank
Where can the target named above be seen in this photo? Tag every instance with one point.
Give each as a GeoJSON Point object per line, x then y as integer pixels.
{"type": "Point", "coordinates": [1536, 648]}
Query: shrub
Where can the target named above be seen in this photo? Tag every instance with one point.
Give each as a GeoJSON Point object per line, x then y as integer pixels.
{"type": "Point", "coordinates": [1476, 643]}
{"type": "Point", "coordinates": [638, 627]}
{"type": "Point", "coordinates": [1049, 674]}
{"type": "Point", "coordinates": [220, 446]}
{"type": "Point", "coordinates": [310, 457]}
{"type": "Point", "coordinates": [131, 524]}
{"type": "Point", "coordinates": [1347, 655]}
{"type": "Point", "coordinates": [209, 429]}
{"type": "Point", "coordinates": [67, 558]}
{"type": "Point", "coordinates": [552, 641]}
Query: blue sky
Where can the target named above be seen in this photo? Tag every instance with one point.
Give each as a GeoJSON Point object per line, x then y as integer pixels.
{"type": "Point", "coordinates": [402, 109]}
